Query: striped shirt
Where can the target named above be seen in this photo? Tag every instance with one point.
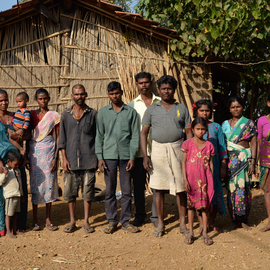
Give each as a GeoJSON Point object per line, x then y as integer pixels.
{"type": "Point", "coordinates": [22, 118]}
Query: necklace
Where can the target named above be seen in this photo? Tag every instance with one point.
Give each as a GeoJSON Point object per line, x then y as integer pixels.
{"type": "Point", "coordinates": [232, 122]}
{"type": "Point", "coordinates": [75, 116]}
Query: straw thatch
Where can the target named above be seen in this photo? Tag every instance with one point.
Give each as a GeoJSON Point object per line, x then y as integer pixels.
{"type": "Point", "coordinates": [91, 48]}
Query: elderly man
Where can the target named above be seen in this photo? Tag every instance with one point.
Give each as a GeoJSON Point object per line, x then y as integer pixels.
{"type": "Point", "coordinates": [140, 104]}
{"type": "Point", "coordinates": [167, 119]}
{"type": "Point", "coordinates": [117, 142]}
{"type": "Point", "coordinates": [77, 144]}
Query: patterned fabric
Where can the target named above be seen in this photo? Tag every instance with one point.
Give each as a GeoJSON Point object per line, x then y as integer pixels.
{"type": "Point", "coordinates": [216, 136]}
{"type": "Point", "coordinates": [239, 191]}
{"type": "Point", "coordinates": [22, 118]}
{"type": "Point", "coordinates": [44, 186]}
{"type": "Point", "coordinates": [199, 174]}
{"type": "Point", "coordinates": [45, 126]}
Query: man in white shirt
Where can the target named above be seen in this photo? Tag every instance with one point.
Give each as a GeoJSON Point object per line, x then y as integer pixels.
{"type": "Point", "coordinates": [140, 104]}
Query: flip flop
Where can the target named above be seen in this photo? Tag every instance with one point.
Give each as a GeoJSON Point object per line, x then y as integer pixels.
{"type": "Point", "coordinates": [110, 229]}
{"type": "Point", "coordinates": [158, 233]}
{"type": "Point", "coordinates": [131, 228]}
{"type": "Point", "coordinates": [51, 227]}
{"type": "Point", "coordinates": [189, 239]}
{"type": "Point", "coordinates": [69, 228]}
{"type": "Point", "coordinates": [208, 239]}
{"type": "Point", "coordinates": [35, 227]}
{"type": "Point", "coordinates": [88, 229]}
{"type": "Point", "coordinates": [185, 232]}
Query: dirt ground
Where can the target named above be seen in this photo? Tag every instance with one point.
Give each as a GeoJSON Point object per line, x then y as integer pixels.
{"type": "Point", "coordinates": [58, 250]}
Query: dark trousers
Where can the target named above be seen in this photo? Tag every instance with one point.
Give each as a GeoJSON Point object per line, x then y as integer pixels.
{"type": "Point", "coordinates": [110, 176]}
{"type": "Point", "coordinates": [139, 179]}
{"type": "Point", "coordinates": [154, 216]}
{"type": "Point", "coordinates": [22, 216]}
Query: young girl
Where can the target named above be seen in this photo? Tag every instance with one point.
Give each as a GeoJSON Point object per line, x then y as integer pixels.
{"type": "Point", "coordinates": [197, 167]}
{"type": "Point", "coordinates": [10, 179]}
{"type": "Point", "coordinates": [204, 109]}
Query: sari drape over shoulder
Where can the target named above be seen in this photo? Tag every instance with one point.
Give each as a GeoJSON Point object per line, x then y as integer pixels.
{"type": "Point", "coordinates": [44, 186]}
{"type": "Point", "coordinates": [239, 193]}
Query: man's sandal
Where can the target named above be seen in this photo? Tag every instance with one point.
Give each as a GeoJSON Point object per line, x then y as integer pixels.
{"type": "Point", "coordinates": [131, 228]}
{"type": "Point", "coordinates": [189, 239]}
{"type": "Point", "coordinates": [51, 227]}
{"type": "Point", "coordinates": [110, 229]}
{"type": "Point", "coordinates": [207, 240]}
{"type": "Point", "coordinates": [88, 229]}
{"type": "Point", "coordinates": [69, 228]}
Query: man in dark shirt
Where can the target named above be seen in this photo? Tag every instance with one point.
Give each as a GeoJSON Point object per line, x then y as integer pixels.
{"type": "Point", "coordinates": [117, 142]}
{"type": "Point", "coordinates": [77, 144]}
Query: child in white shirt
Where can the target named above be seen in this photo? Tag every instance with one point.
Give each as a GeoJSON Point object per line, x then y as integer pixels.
{"type": "Point", "coordinates": [10, 179]}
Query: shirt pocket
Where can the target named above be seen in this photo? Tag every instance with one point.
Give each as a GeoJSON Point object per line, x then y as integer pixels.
{"type": "Point", "coordinates": [87, 127]}
{"type": "Point", "coordinates": [125, 125]}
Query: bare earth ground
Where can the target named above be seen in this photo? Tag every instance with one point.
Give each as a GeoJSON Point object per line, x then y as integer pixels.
{"type": "Point", "coordinates": [58, 250]}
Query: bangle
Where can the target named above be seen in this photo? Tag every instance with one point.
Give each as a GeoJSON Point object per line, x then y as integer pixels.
{"type": "Point", "coordinates": [56, 158]}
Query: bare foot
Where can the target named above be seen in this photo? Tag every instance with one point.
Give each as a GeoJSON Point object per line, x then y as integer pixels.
{"type": "Point", "coordinates": [266, 228]}
{"type": "Point", "coordinates": [245, 227]}
{"type": "Point", "coordinates": [10, 235]}
{"type": "Point", "coordinates": [19, 232]}
{"type": "Point", "coordinates": [183, 229]}
{"type": "Point", "coordinates": [213, 228]}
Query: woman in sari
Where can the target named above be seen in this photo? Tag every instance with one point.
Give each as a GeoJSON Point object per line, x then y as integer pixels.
{"type": "Point", "coordinates": [263, 125]}
{"type": "Point", "coordinates": [43, 156]}
{"type": "Point", "coordinates": [241, 137]}
{"type": "Point", "coordinates": [6, 130]}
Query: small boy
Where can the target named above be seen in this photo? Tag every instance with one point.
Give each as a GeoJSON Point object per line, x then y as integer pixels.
{"type": "Point", "coordinates": [21, 120]}
{"type": "Point", "coordinates": [10, 179]}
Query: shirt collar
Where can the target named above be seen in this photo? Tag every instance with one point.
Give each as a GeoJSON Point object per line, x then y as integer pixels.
{"type": "Point", "coordinates": [159, 102]}
{"type": "Point", "coordinates": [139, 98]}
{"type": "Point", "coordinates": [69, 110]}
{"type": "Point", "coordinates": [124, 107]}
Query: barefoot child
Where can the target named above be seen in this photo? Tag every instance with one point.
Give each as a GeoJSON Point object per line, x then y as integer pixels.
{"type": "Point", "coordinates": [197, 167]}
{"type": "Point", "coordinates": [10, 179]}
{"type": "Point", "coordinates": [21, 120]}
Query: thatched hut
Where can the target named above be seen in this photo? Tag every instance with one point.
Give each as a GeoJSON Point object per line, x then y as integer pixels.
{"type": "Point", "coordinates": [58, 43]}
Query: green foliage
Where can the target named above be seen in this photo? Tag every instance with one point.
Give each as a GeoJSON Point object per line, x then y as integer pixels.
{"type": "Point", "coordinates": [125, 4]}
{"type": "Point", "coordinates": [228, 29]}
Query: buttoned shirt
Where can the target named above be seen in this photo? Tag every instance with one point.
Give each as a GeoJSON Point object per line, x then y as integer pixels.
{"type": "Point", "coordinates": [77, 137]}
{"type": "Point", "coordinates": [167, 126]}
{"type": "Point", "coordinates": [117, 133]}
{"type": "Point", "coordinates": [140, 107]}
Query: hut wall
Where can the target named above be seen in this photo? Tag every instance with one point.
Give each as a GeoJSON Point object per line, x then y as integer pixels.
{"type": "Point", "coordinates": [88, 48]}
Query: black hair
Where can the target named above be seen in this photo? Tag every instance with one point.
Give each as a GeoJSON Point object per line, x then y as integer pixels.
{"type": "Point", "coordinates": [200, 103]}
{"type": "Point", "coordinates": [167, 79]}
{"type": "Point", "coordinates": [3, 92]}
{"type": "Point", "coordinates": [142, 75]}
{"type": "Point", "coordinates": [41, 91]}
{"type": "Point", "coordinates": [236, 99]}
{"type": "Point", "coordinates": [13, 155]}
{"type": "Point", "coordinates": [113, 86]}
{"type": "Point", "coordinates": [24, 95]}
{"type": "Point", "coordinates": [78, 86]}
{"type": "Point", "coordinates": [199, 120]}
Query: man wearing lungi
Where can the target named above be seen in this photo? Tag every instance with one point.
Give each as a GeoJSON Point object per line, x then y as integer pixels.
{"type": "Point", "coordinates": [167, 119]}
{"type": "Point", "coordinates": [77, 144]}
{"type": "Point", "coordinates": [117, 142]}
{"type": "Point", "coordinates": [140, 104]}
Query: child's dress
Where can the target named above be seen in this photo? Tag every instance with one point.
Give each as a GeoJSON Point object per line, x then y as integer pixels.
{"type": "Point", "coordinates": [199, 175]}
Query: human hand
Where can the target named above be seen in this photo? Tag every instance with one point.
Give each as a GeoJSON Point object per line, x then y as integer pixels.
{"type": "Point", "coordinates": [130, 165]}
{"type": "Point", "coordinates": [54, 166]}
{"type": "Point", "coordinates": [20, 132]}
{"type": "Point", "coordinates": [102, 165]}
{"type": "Point", "coordinates": [251, 169]}
{"type": "Point", "coordinates": [147, 164]}
{"type": "Point", "coordinates": [223, 170]}
{"type": "Point", "coordinates": [66, 165]}
{"type": "Point", "coordinates": [186, 186]}
{"type": "Point", "coordinates": [4, 170]}
{"type": "Point", "coordinates": [258, 172]}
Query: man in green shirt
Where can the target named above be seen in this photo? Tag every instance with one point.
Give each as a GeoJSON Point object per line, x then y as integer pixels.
{"type": "Point", "coordinates": [117, 142]}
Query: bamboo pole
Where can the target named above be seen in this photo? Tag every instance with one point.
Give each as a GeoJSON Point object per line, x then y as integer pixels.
{"type": "Point", "coordinates": [109, 52]}
{"type": "Point", "coordinates": [36, 105]}
{"type": "Point", "coordinates": [33, 86]}
{"type": "Point", "coordinates": [89, 78]}
{"type": "Point", "coordinates": [92, 97]}
{"type": "Point", "coordinates": [30, 66]}
{"type": "Point", "coordinates": [35, 41]}
{"type": "Point", "coordinates": [185, 90]}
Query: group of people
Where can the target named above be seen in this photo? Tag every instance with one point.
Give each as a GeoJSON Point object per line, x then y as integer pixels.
{"type": "Point", "coordinates": [152, 134]}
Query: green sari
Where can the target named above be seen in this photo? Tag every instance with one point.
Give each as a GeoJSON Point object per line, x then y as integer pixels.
{"type": "Point", "coordinates": [238, 185]}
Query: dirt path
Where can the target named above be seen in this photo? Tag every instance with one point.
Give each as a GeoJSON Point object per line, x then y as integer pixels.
{"type": "Point", "coordinates": [57, 250]}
